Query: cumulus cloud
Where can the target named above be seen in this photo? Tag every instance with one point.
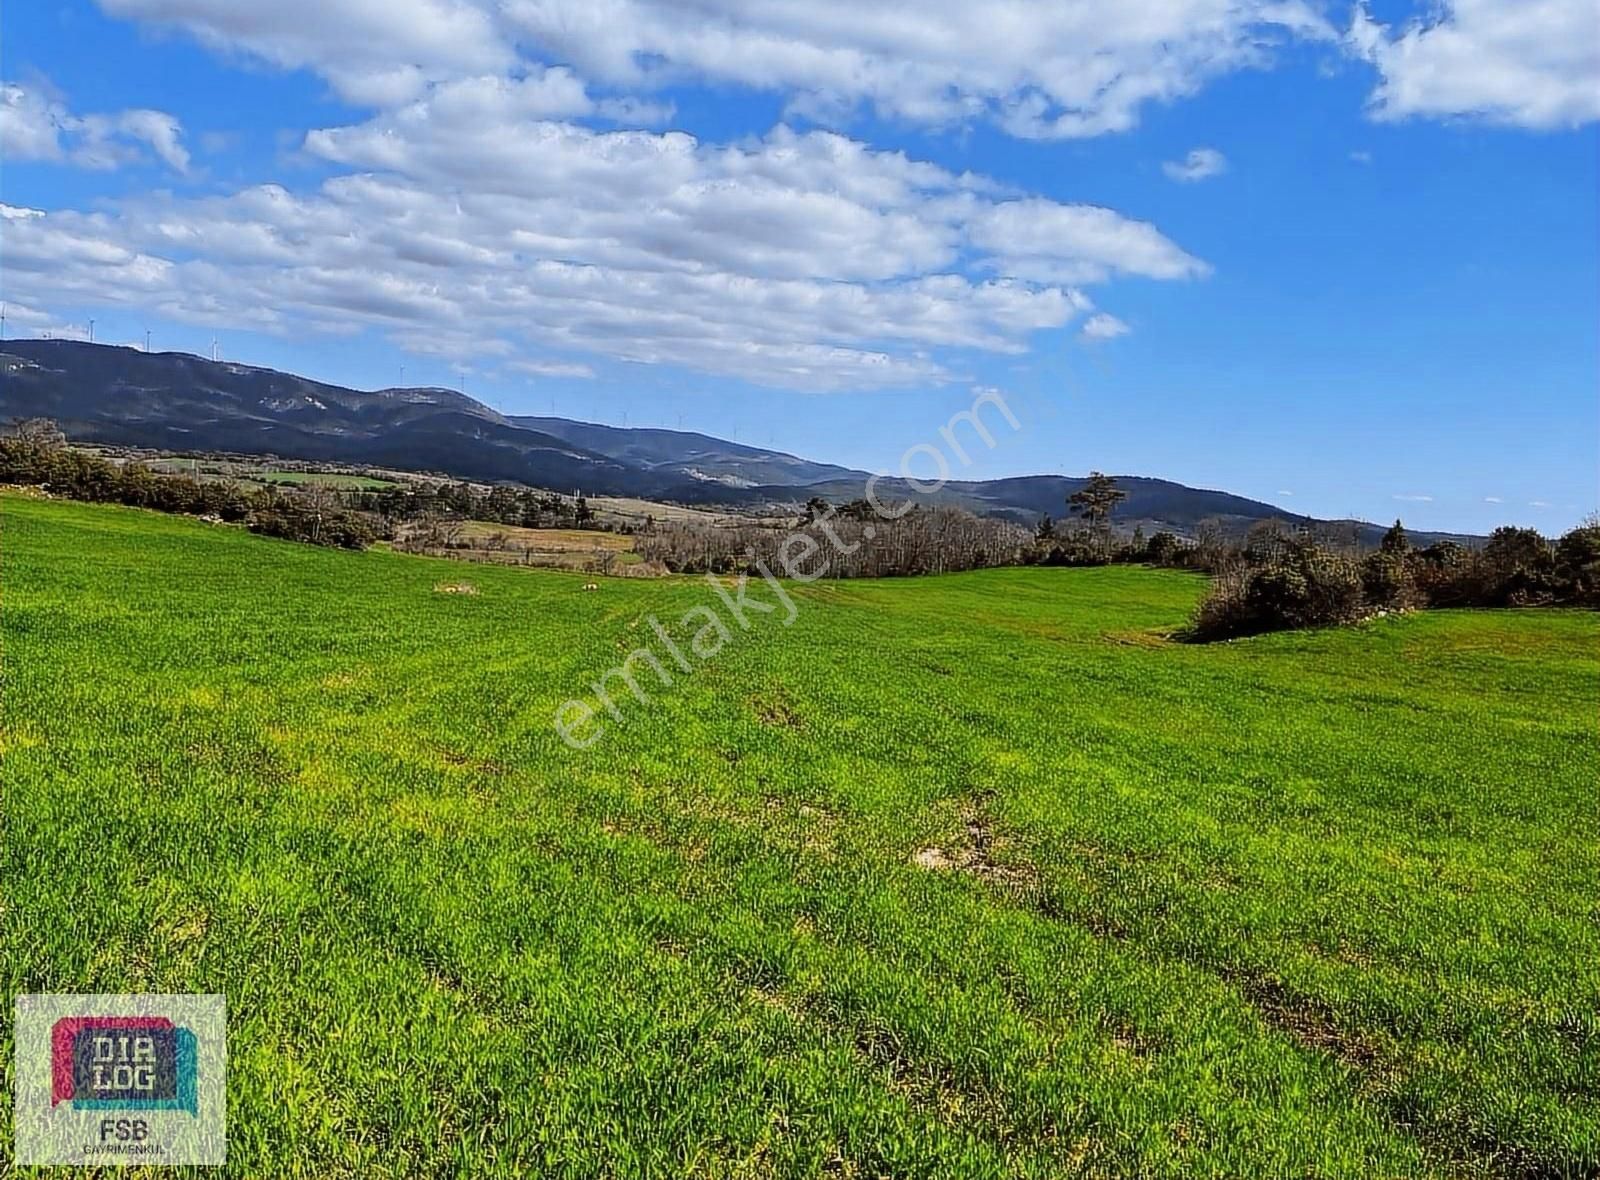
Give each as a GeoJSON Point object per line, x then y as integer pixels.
{"type": "Point", "coordinates": [1526, 63]}
{"type": "Point", "coordinates": [1102, 326]}
{"type": "Point", "coordinates": [1051, 242]}
{"type": "Point", "coordinates": [373, 53]}
{"type": "Point", "coordinates": [470, 220]}
{"type": "Point", "coordinates": [1061, 70]}
{"type": "Point", "coordinates": [23, 320]}
{"type": "Point", "coordinates": [37, 126]}
{"type": "Point", "coordinates": [1067, 69]}
{"type": "Point", "coordinates": [1200, 164]}
{"type": "Point", "coordinates": [560, 369]}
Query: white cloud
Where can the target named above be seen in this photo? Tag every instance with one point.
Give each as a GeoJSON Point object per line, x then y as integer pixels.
{"type": "Point", "coordinates": [37, 126]}
{"type": "Point", "coordinates": [1050, 242]}
{"type": "Point", "coordinates": [1493, 500]}
{"type": "Point", "coordinates": [558, 369]}
{"type": "Point", "coordinates": [1283, 492]}
{"type": "Point", "coordinates": [1199, 164]}
{"type": "Point", "coordinates": [373, 53]}
{"type": "Point", "coordinates": [1360, 157]}
{"type": "Point", "coordinates": [1415, 499]}
{"type": "Point", "coordinates": [1066, 69]}
{"type": "Point", "coordinates": [1527, 63]}
{"type": "Point", "coordinates": [1538, 503]}
{"type": "Point", "coordinates": [471, 222]}
{"type": "Point", "coordinates": [1101, 326]}
{"type": "Point", "coordinates": [23, 320]}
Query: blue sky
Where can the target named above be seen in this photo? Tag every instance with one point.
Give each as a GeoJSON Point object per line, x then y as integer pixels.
{"type": "Point", "coordinates": [1344, 260]}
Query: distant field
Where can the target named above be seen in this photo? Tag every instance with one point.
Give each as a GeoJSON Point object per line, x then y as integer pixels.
{"type": "Point", "coordinates": [637, 510]}
{"type": "Point", "coordinates": [552, 540]}
{"type": "Point", "coordinates": [248, 473]}
{"type": "Point", "coordinates": [961, 876]}
{"type": "Point", "coordinates": [331, 479]}
{"type": "Point", "coordinates": [568, 549]}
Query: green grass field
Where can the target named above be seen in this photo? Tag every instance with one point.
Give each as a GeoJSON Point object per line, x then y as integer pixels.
{"type": "Point", "coordinates": [960, 876]}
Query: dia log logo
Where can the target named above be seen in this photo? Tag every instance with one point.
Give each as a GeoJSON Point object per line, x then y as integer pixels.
{"type": "Point", "coordinates": [123, 1063]}
{"type": "Point", "coordinates": [120, 1079]}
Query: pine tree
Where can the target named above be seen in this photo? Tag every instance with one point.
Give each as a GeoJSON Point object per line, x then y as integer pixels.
{"type": "Point", "coordinates": [1097, 499]}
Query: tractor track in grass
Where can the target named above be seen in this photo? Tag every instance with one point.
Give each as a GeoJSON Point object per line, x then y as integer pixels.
{"type": "Point", "coordinates": [1310, 1024]}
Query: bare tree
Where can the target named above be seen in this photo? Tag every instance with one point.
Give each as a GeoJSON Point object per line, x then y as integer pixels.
{"type": "Point", "coordinates": [39, 432]}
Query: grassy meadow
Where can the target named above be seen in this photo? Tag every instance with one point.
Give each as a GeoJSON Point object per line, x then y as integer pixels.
{"type": "Point", "coordinates": [965, 876]}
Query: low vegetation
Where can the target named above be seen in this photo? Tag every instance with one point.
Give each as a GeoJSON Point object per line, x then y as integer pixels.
{"type": "Point", "coordinates": [1274, 578]}
{"type": "Point", "coordinates": [849, 541]}
{"type": "Point", "coordinates": [35, 453]}
{"type": "Point", "coordinates": [1281, 580]}
{"type": "Point", "coordinates": [973, 876]}
{"type": "Point", "coordinates": [1277, 578]}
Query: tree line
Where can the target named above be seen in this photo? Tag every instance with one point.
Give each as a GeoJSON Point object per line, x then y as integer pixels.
{"type": "Point", "coordinates": [1281, 579]}
{"type": "Point", "coordinates": [1277, 578]}
{"type": "Point", "coordinates": [1273, 577]}
{"type": "Point", "coordinates": [35, 452]}
{"type": "Point", "coordinates": [847, 541]}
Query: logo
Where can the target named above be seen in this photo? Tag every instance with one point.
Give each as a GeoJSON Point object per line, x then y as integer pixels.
{"type": "Point", "coordinates": [120, 1079]}
{"type": "Point", "coordinates": [123, 1063]}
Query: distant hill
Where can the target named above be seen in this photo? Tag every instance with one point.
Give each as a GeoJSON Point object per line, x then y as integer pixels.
{"type": "Point", "coordinates": [1153, 503]}
{"type": "Point", "coordinates": [175, 400]}
{"type": "Point", "coordinates": [686, 455]}
{"type": "Point", "coordinates": [181, 402]}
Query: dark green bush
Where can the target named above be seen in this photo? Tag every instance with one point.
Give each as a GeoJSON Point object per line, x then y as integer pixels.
{"type": "Point", "coordinates": [1577, 565]}
{"type": "Point", "coordinates": [1387, 582]}
{"type": "Point", "coordinates": [1305, 586]}
{"type": "Point", "coordinates": [41, 459]}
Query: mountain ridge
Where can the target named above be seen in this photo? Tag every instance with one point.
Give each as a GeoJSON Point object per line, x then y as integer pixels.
{"type": "Point", "coordinates": [178, 401]}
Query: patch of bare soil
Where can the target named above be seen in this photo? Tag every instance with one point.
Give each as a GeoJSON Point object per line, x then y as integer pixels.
{"type": "Point", "coordinates": [776, 710]}
{"type": "Point", "coordinates": [1309, 1024]}
{"type": "Point", "coordinates": [974, 851]}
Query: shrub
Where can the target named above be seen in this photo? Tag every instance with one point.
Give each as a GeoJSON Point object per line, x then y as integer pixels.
{"type": "Point", "coordinates": [1164, 549]}
{"type": "Point", "coordinates": [1395, 540]}
{"type": "Point", "coordinates": [1387, 582]}
{"type": "Point", "coordinates": [1444, 573]}
{"type": "Point", "coordinates": [1577, 565]}
{"type": "Point", "coordinates": [1517, 569]}
{"type": "Point", "coordinates": [1304, 587]}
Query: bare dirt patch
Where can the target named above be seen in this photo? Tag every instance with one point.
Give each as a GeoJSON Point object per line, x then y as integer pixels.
{"type": "Point", "coordinates": [777, 710]}
{"type": "Point", "coordinates": [1309, 1024]}
{"type": "Point", "coordinates": [974, 851]}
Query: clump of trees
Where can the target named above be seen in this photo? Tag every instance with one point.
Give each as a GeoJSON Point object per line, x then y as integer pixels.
{"type": "Point", "coordinates": [35, 453]}
{"type": "Point", "coordinates": [502, 504]}
{"type": "Point", "coordinates": [1277, 578]}
{"type": "Point", "coordinates": [847, 541]}
{"type": "Point", "coordinates": [1280, 580]}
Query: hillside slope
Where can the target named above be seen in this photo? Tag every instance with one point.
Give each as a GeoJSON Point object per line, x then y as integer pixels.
{"type": "Point", "coordinates": [181, 402]}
